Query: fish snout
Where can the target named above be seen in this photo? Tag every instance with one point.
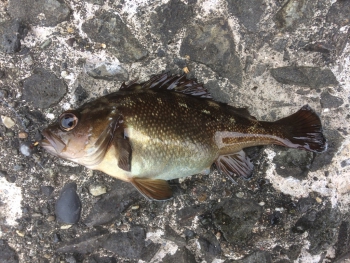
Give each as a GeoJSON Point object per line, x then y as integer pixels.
{"type": "Point", "coordinates": [52, 142]}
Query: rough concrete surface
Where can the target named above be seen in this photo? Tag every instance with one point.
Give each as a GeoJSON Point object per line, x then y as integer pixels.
{"type": "Point", "coordinates": [270, 56]}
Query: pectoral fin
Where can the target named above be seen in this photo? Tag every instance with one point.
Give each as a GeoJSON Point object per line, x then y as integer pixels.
{"type": "Point", "coordinates": [153, 189]}
{"type": "Point", "coordinates": [124, 149]}
{"type": "Point", "coordinates": [237, 163]}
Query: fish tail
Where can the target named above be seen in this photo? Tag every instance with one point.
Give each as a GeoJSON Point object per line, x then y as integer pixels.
{"type": "Point", "coordinates": [302, 130]}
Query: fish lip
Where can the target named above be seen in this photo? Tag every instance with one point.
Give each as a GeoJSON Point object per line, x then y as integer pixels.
{"type": "Point", "coordinates": [52, 143]}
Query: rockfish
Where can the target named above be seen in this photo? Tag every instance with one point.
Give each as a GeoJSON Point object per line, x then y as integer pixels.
{"type": "Point", "coordinates": [170, 127]}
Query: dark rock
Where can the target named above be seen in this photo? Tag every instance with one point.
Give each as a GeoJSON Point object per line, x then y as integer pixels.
{"type": "Point", "coordinates": [43, 89]}
{"type": "Point", "coordinates": [182, 255]}
{"type": "Point", "coordinates": [330, 101]}
{"type": "Point", "coordinates": [260, 69]}
{"type": "Point", "coordinates": [294, 252]}
{"type": "Point", "coordinates": [55, 11]}
{"type": "Point", "coordinates": [169, 18]}
{"type": "Point", "coordinates": [68, 205]}
{"type": "Point", "coordinates": [9, 178]}
{"type": "Point", "coordinates": [236, 218]}
{"type": "Point", "coordinates": [98, 259]}
{"type": "Point", "coordinates": [3, 94]}
{"type": "Point", "coordinates": [56, 238]}
{"type": "Point", "coordinates": [342, 246]}
{"type": "Point", "coordinates": [120, 41]}
{"type": "Point", "coordinates": [304, 204]}
{"type": "Point", "coordinates": [312, 77]}
{"type": "Point", "coordinates": [149, 251]}
{"type": "Point", "coordinates": [334, 140]}
{"type": "Point", "coordinates": [11, 33]}
{"type": "Point", "coordinates": [280, 45]}
{"type": "Point", "coordinates": [293, 162]}
{"type": "Point", "coordinates": [7, 254]}
{"type": "Point", "coordinates": [109, 207]}
{"type": "Point", "coordinates": [128, 245]}
{"type": "Point", "coordinates": [294, 13]}
{"type": "Point", "coordinates": [258, 256]}
{"type": "Point", "coordinates": [96, 2]}
{"type": "Point", "coordinates": [189, 234]}
{"type": "Point", "coordinates": [106, 70]}
{"type": "Point", "coordinates": [71, 259]}
{"type": "Point", "coordinates": [247, 11]}
{"type": "Point", "coordinates": [212, 44]}
{"type": "Point", "coordinates": [305, 223]}
{"type": "Point", "coordinates": [324, 230]}
{"type": "Point", "coordinates": [46, 190]}
{"type": "Point", "coordinates": [171, 235]}
{"type": "Point", "coordinates": [210, 246]}
{"type": "Point", "coordinates": [321, 226]}
{"type": "Point", "coordinates": [345, 163]}
{"type": "Point", "coordinates": [85, 244]}
{"type": "Point", "coordinates": [339, 13]}
{"type": "Point", "coordinates": [319, 47]}
{"type": "Point", "coordinates": [80, 94]}
{"type": "Point", "coordinates": [187, 215]}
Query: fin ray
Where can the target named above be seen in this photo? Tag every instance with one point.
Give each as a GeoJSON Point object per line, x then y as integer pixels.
{"type": "Point", "coordinates": [153, 189]}
{"type": "Point", "coordinates": [237, 163]}
{"type": "Point", "coordinates": [304, 130]}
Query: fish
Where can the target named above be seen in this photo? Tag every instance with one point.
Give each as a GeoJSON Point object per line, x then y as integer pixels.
{"type": "Point", "coordinates": [170, 127]}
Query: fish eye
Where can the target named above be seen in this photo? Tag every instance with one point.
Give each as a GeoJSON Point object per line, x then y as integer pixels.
{"type": "Point", "coordinates": [68, 121]}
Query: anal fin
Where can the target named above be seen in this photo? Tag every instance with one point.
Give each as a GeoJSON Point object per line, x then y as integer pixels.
{"type": "Point", "coordinates": [236, 163]}
{"type": "Point", "coordinates": [153, 189]}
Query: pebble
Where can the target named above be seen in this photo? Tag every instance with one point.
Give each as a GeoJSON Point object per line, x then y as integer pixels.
{"type": "Point", "coordinates": [240, 194]}
{"type": "Point", "coordinates": [20, 233]}
{"type": "Point", "coordinates": [66, 227]}
{"type": "Point", "coordinates": [135, 207]}
{"type": "Point", "coordinates": [22, 135]}
{"type": "Point", "coordinates": [7, 121]}
{"type": "Point", "coordinates": [46, 43]}
{"type": "Point", "coordinates": [3, 94]}
{"type": "Point", "coordinates": [51, 218]}
{"type": "Point", "coordinates": [9, 134]}
{"type": "Point", "coordinates": [68, 205]}
{"type": "Point", "coordinates": [97, 190]}
{"type": "Point", "coordinates": [318, 200]}
{"type": "Point", "coordinates": [26, 149]}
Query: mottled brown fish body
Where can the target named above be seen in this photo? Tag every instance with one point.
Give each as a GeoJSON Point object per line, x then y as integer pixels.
{"type": "Point", "coordinates": [167, 128]}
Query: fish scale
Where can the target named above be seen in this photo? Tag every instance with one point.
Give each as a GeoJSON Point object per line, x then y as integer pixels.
{"type": "Point", "coordinates": [170, 127]}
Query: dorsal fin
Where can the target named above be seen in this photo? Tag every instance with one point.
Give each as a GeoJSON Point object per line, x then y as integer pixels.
{"type": "Point", "coordinates": [176, 83]}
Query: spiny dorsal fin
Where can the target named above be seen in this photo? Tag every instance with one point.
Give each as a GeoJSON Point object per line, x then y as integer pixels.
{"type": "Point", "coordinates": [165, 81]}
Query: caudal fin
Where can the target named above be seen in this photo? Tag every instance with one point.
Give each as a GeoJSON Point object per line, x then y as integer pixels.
{"type": "Point", "coordinates": [304, 130]}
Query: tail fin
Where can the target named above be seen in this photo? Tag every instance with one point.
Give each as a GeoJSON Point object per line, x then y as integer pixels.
{"type": "Point", "coordinates": [304, 130]}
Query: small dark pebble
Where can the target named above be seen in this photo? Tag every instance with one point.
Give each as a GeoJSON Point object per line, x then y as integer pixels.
{"type": "Point", "coordinates": [189, 233]}
{"type": "Point", "coordinates": [46, 190]}
{"type": "Point", "coordinates": [2, 74]}
{"type": "Point", "coordinates": [345, 163]}
{"type": "Point", "coordinates": [70, 41]}
{"type": "Point", "coordinates": [71, 259]}
{"type": "Point", "coordinates": [3, 94]}
{"type": "Point", "coordinates": [68, 205]}
{"type": "Point", "coordinates": [56, 238]}
{"type": "Point", "coordinates": [161, 53]}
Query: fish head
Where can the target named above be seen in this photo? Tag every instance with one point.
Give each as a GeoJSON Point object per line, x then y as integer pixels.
{"type": "Point", "coordinates": [82, 136]}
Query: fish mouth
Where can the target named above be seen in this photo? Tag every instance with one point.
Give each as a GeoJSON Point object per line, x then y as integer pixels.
{"type": "Point", "coordinates": [52, 143]}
